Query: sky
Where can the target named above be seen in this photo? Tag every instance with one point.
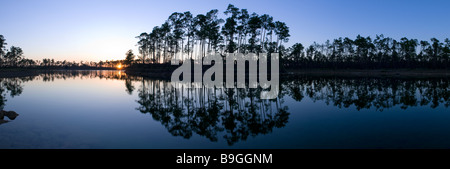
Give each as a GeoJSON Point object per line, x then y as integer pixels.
{"type": "Point", "coordinates": [94, 30]}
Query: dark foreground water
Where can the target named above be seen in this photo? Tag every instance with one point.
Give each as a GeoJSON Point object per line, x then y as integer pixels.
{"type": "Point", "coordinates": [107, 109]}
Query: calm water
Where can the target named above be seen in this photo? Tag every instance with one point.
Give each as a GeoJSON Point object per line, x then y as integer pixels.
{"type": "Point", "coordinates": [107, 109]}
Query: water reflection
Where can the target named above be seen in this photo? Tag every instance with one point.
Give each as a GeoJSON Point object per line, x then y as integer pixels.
{"type": "Point", "coordinates": [235, 114]}
{"type": "Point", "coordinates": [365, 93]}
{"type": "Point", "coordinates": [240, 113]}
{"type": "Point", "coordinates": [14, 87]}
{"type": "Point", "coordinates": [50, 76]}
{"type": "Point", "coordinates": [207, 112]}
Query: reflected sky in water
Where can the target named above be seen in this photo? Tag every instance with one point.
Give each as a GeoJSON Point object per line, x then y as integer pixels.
{"type": "Point", "coordinates": [108, 109]}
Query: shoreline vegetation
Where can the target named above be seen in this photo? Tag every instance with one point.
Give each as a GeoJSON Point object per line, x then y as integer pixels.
{"type": "Point", "coordinates": [25, 72]}
{"type": "Point", "coordinates": [165, 73]}
{"type": "Point", "coordinates": [186, 36]}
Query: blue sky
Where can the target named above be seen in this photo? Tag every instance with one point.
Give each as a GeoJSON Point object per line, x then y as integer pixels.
{"type": "Point", "coordinates": [94, 30]}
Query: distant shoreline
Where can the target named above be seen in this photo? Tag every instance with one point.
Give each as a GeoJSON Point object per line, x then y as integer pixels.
{"type": "Point", "coordinates": [25, 72]}
{"type": "Point", "coordinates": [166, 74]}
{"type": "Point", "coordinates": [376, 73]}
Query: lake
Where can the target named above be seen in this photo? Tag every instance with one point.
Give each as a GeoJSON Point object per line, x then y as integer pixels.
{"type": "Point", "coordinates": [108, 109]}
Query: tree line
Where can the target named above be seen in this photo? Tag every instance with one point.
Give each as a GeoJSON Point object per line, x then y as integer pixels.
{"type": "Point", "coordinates": [241, 32]}
{"type": "Point", "coordinates": [195, 36]}
{"type": "Point", "coordinates": [14, 58]}
{"type": "Point", "coordinates": [365, 52]}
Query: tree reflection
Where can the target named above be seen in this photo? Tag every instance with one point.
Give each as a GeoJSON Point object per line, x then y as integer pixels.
{"type": "Point", "coordinates": [13, 86]}
{"type": "Point", "coordinates": [50, 76]}
{"type": "Point", "coordinates": [366, 93]}
{"type": "Point", "coordinates": [129, 86]}
{"type": "Point", "coordinates": [233, 113]}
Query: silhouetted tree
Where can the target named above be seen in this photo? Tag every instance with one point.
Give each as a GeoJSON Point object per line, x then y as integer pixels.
{"type": "Point", "coordinates": [229, 29]}
{"type": "Point", "coordinates": [143, 45]}
{"type": "Point", "coordinates": [129, 57]}
{"type": "Point", "coordinates": [2, 47]}
{"type": "Point", "coordinates": [206, 33]}
{"type": "Point", "coordinates": [13, 56]}
{"type": "Point", "coordinates": [295, 54]}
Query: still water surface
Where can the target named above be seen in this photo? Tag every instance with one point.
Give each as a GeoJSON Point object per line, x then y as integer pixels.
{"type": "Point", "coordinates": [108, 109]}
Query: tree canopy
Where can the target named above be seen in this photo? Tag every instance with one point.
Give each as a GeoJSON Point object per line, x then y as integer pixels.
{"type": "Point", "coordinates": [185, 36]}
{"type": "Point", "coordinates": [368, 53]}
{"type": "Point", "coordinates": [191, 37]}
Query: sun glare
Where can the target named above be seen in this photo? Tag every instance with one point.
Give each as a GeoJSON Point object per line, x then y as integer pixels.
{"type": "Point", "coordinates": [119, 66]}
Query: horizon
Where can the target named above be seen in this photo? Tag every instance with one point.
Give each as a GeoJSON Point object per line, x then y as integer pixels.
{"type": "Point", "coordinates": [105, 30]}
